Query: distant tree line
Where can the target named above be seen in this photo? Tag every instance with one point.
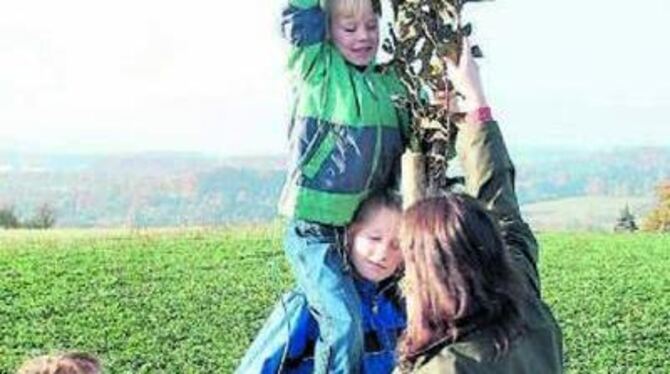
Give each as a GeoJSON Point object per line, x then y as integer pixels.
{"type": "Point", "coordinates": [43, 218]}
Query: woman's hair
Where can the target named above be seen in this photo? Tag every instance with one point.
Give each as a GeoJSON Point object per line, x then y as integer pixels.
{"type": "Point", "coordinates": [459, 276]}
{"type": "Point", "coordinates": [68, 363]}
{"type": "Point", "coordinates": [350, 7]}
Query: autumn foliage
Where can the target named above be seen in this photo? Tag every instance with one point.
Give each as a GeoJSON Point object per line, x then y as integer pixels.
{"type": "Point", "coordinates": [659, 218]}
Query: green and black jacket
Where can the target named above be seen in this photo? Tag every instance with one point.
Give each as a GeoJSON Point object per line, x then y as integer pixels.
{"type": "Point", "coordinates": [345, 137]}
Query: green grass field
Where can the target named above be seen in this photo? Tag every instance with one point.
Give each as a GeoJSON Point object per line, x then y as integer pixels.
{"type": "Point", "coordinates": [190, 301]}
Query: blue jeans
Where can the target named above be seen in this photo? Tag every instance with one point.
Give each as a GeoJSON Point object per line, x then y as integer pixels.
{"type": "Point", "coordinates": [314, 252]}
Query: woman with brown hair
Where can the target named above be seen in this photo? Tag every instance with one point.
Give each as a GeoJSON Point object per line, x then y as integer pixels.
{"type": "Point", "coordinates": [472, 286]}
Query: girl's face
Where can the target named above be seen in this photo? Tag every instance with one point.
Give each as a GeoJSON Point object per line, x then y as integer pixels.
{"type": "Point", "coordinates": [356, 36]}
{"type": "Point", "coordinates": [375, 252]}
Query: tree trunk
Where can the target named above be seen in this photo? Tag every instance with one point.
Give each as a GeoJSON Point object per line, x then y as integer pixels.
{"type": "Point", "coordinates": [413, 177]}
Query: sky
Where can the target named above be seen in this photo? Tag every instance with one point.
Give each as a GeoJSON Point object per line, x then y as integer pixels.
{"type": "Point", "coordinates": [207, 76]}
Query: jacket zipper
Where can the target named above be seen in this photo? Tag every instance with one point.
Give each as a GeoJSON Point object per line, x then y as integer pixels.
{"type": "Point", "coordinates": [375, 161]}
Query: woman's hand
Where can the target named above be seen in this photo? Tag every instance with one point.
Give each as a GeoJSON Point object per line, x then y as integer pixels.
{"type": "Point", "coordinates": [466, 80]}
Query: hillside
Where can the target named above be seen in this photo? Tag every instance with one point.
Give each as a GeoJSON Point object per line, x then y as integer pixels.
{"type": "Point", "coordinates": [178, 189]}
{"type": "Point", "coordinates": [619, 172]}
{"type": "Point", "coordinates": [591, 213]}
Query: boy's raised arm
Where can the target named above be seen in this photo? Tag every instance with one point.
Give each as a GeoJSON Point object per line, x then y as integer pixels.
{"type": "Point", "coordinates": [304, 25]}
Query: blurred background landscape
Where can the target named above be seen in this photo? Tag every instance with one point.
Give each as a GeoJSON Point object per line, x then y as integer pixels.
{"type": "Point", "coordinates": [559, 188]}
{"type": "Point", "coordinates": [173, 119]}
{"type": "Point", "coordinates": [150, 135]}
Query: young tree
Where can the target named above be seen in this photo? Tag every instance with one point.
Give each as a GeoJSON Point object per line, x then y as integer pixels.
{"type": "Point", "coordinates": [659, 218]}
{"type": "Point", "coordinates": [44, 218]}
{"type": "Point", "coordinates": [426, 32]}
{"type": "Point", "coordinates": [626, 221]}
{"type": "Point", "coordinates": [8, 219]}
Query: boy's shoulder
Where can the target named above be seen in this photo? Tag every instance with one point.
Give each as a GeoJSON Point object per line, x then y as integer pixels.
{"type": "Point", "coordinates": [389, 72]}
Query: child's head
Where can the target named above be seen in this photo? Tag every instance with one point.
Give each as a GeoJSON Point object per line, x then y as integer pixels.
{"type": "Point", "coordinates": [372, 237]}
{"type": "Point", "coordinates": [68, 363]}
{"type": "Point", "coordinates": [458, 273]}
{"type": "Point", "coordinates": [354, 29]}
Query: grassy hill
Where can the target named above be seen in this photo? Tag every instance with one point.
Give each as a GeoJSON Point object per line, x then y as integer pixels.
{"type": "Point", "coordinates": [190, 301]}
{"type": "Point", "coordinates": [584, 213]}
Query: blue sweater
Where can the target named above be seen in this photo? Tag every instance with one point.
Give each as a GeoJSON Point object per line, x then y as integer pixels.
{"type": "Point", "coordinates": [285, 344]}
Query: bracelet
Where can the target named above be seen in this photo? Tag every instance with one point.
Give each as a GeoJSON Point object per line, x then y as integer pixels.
{"type": "Point", "coordinates": [479, 115]}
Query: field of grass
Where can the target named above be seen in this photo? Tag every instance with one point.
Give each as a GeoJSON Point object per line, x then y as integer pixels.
{"type": "Point", "coordinates": [190, 301]}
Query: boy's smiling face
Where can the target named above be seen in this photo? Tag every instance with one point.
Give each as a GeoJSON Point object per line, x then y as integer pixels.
{"type": "Point", "coordinates": [356, 35]}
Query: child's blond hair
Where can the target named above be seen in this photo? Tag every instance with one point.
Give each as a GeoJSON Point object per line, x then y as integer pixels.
{"type": "Point", "coordinates": [347, 8]}
{"type": "Point", "coordinates": [67, 363]}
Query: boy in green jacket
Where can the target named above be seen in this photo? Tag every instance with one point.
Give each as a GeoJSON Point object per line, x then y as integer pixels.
{"type": "Point", "coordinates": [345, 143]}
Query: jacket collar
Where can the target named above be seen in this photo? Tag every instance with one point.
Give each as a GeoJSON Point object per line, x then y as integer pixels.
{"type": "Point", "coordinates": [368, 288]}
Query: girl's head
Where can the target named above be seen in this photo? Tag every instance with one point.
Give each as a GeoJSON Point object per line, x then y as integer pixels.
{"type": "Point", "coordinates": [372, 237]}
{"type": "Point", "coordinates": [69, 363]}
{"type": "Point", "coordinates": [354, 29]}
{"type": "Point", "coordinates": [458, 274]}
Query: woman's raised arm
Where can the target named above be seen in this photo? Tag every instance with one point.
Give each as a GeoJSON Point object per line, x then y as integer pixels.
{"type": "Point", "coordinates": [489, 172]}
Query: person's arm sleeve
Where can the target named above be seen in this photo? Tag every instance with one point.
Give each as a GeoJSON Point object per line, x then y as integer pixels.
{"type": "Point", "coordinates": [446, 362]}
{"type": "Point", "coordinates": [398, 90]}
{"type": "Point", "coordinates": [489, 176]}
{"type": "Point", "coordinates": [304, 26]}
{"type": "Point", "coordinates": [281, 338]}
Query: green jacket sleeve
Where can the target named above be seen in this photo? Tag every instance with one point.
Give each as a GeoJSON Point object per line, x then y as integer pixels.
{"type": "Point", "coordinates": [304, 26]}
{"type": "Point", "coordinates": [489, 176]}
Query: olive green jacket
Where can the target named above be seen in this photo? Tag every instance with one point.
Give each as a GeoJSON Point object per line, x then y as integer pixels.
{"type": "Point", "coordinates": [490, 177]}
